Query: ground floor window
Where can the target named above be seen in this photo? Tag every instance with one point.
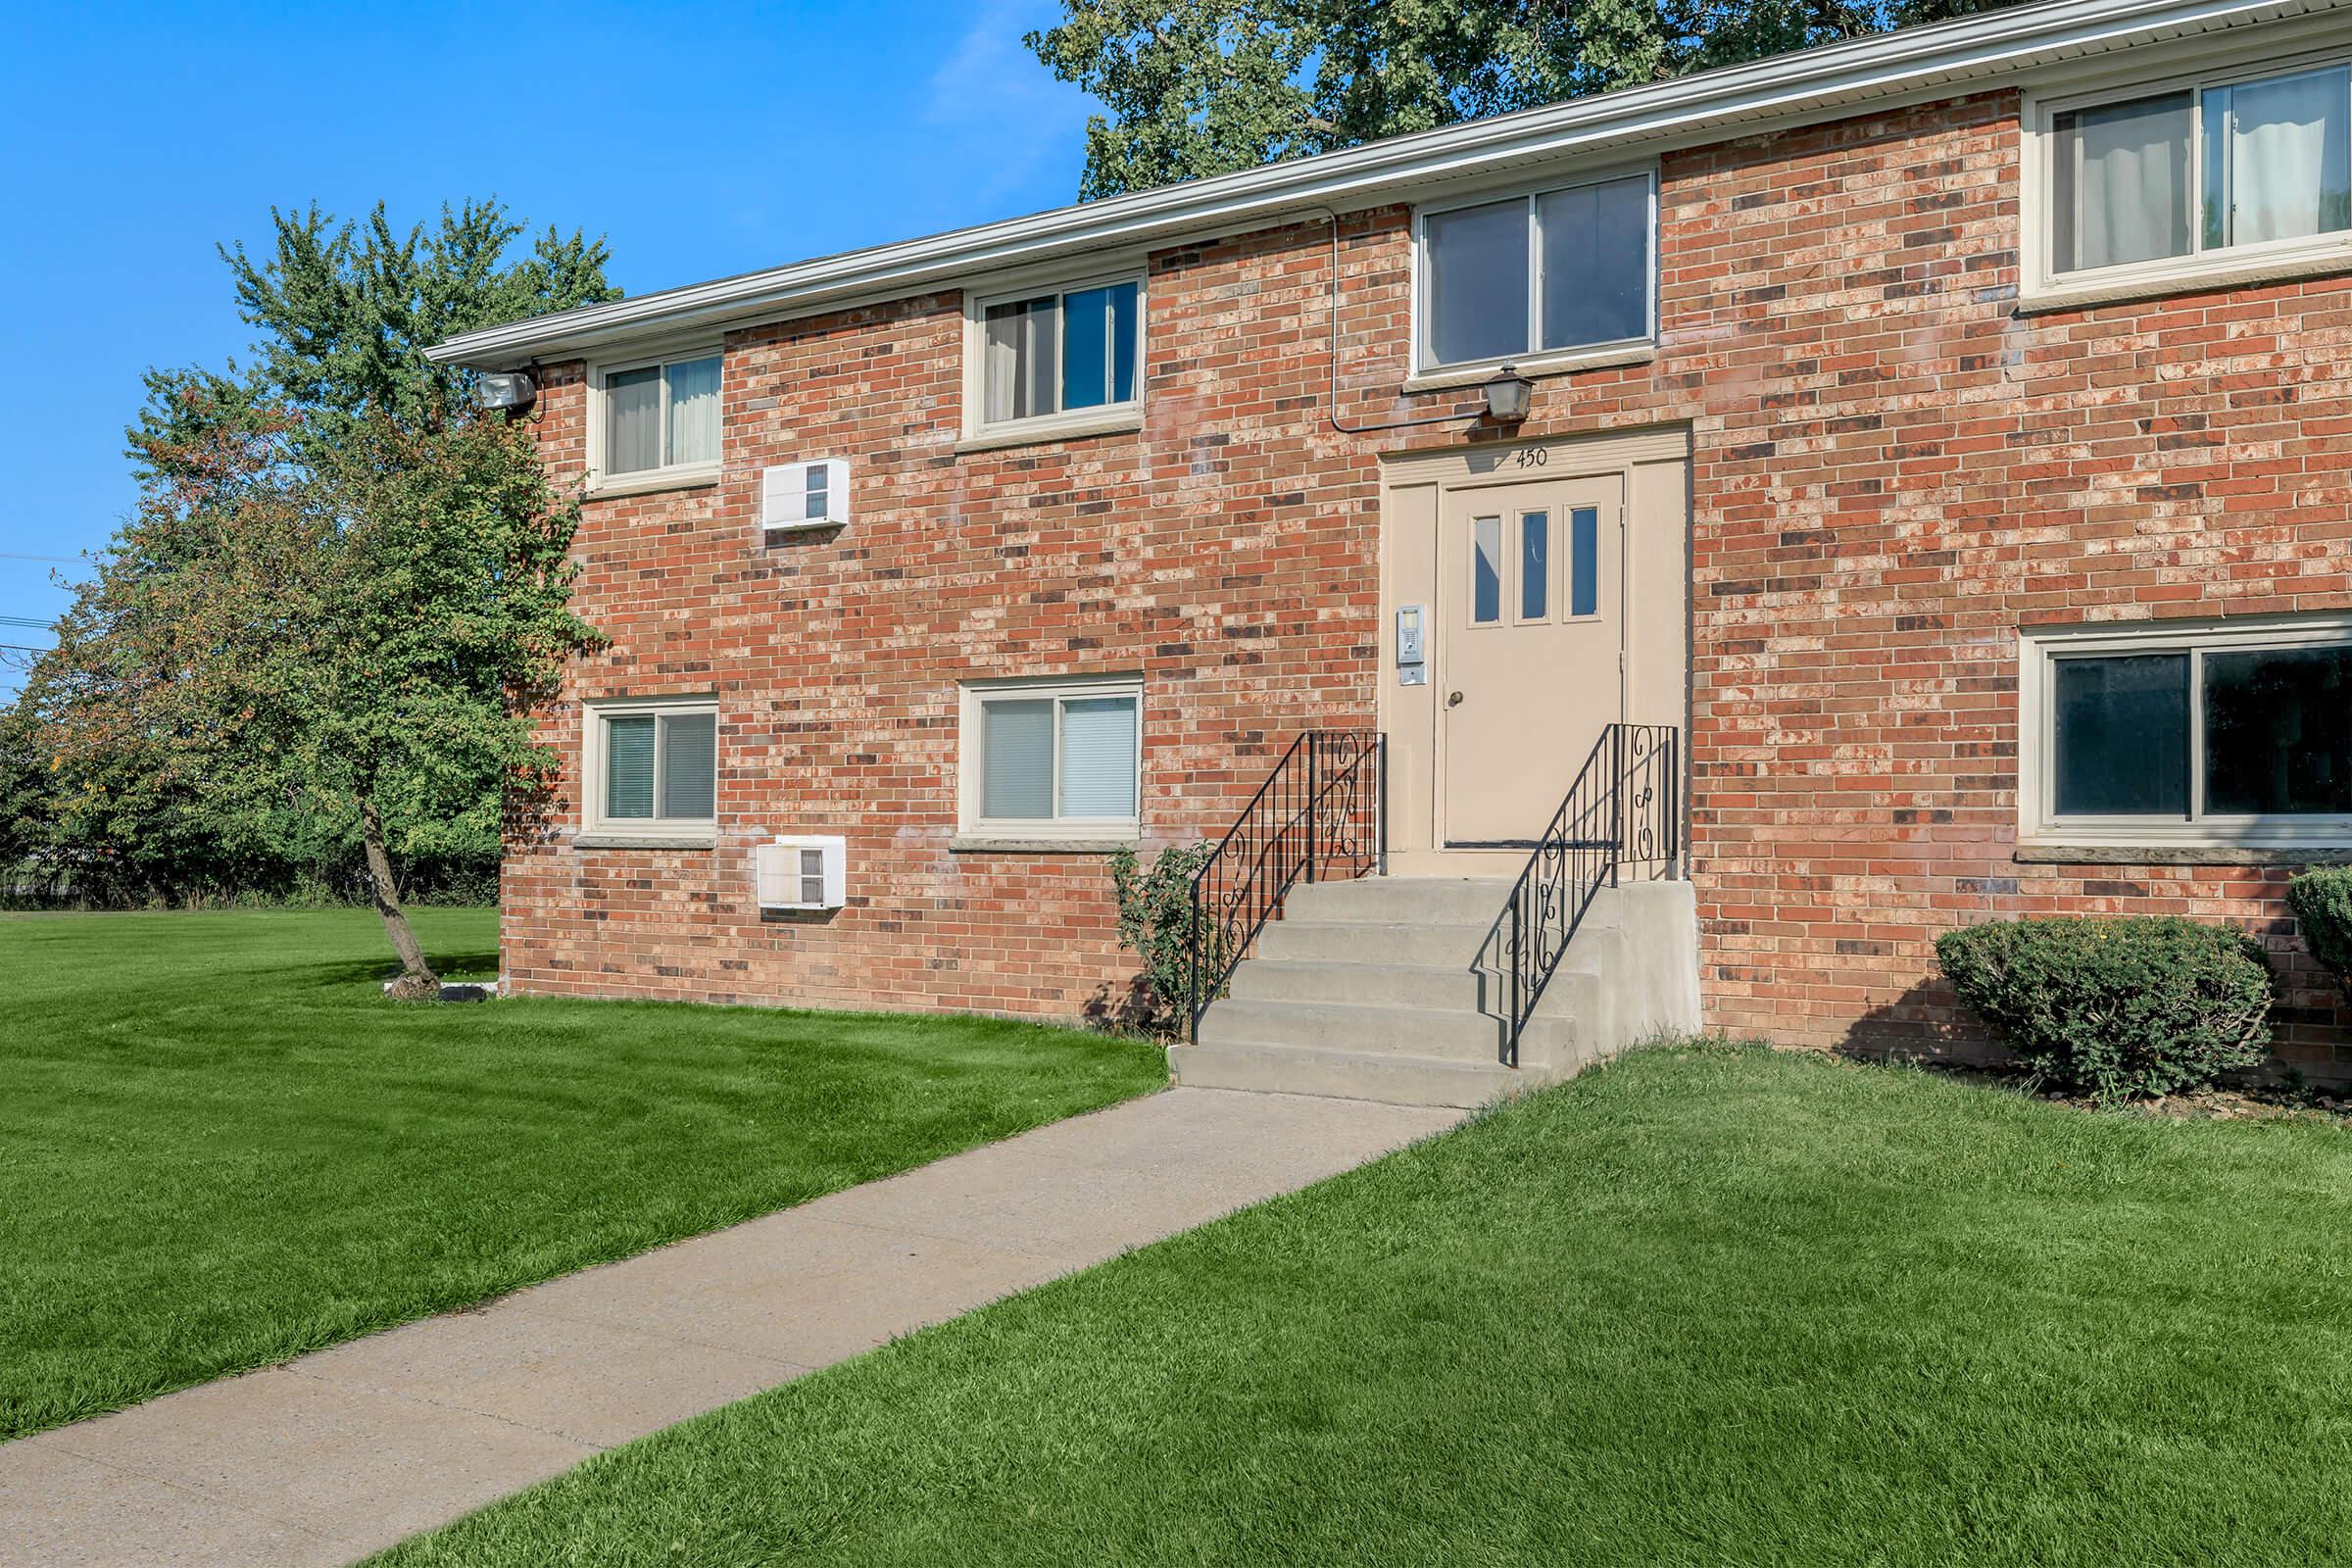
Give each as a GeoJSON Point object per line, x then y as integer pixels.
{"type": "Point", "coordinates": [652, 764]}
{"type": "Point", "coordinates": [2208, 734]}
{"type": "Point", "coordinates": [1049, 758]}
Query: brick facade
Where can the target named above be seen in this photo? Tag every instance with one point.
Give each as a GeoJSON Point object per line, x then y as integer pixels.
{"type": "Point", "coordinates": [1893, 470]}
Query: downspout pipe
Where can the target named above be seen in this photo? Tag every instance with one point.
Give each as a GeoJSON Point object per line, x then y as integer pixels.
{"type": "Point", "coordinates": [1332, 411]}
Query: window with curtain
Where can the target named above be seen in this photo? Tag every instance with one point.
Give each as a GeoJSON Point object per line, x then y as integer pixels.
{"type": "Point", "coordinates": [2207, 732]}
{"type": "Point", "coordinates": [2203, 168]}
{"type": "Point", "coordinates": [662, 415]}
{"type": "Point", "coordinates": [1060, 352]}
{"type": "Point", "coordinates": [1053, 758]}
{"type": "Point", "coordinates": [1552, 272]}
{"type": "Point", "coordinates": [659, 764]}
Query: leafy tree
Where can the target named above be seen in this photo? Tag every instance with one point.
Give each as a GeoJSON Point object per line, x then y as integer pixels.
{"type": "Point", "coordinates": [1196, 87]}
{"type": "Point", "coordinates": [20, 792]}
{"type": "Point", "coordinates": [115, 798]}
{"type": "Point", "coordinates": [345, 312]}
{"type": "Point", "coordinates": [295, 638]}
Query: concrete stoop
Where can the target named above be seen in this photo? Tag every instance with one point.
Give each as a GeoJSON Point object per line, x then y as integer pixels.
{"type": "Point", "coordinates": [1389, 989]}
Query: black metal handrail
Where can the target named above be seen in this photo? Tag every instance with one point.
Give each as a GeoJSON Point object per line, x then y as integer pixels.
{"type": "Point", "coordinates": [1321, 810]}
{"type": "Point", "coordinates": [1623, 810]}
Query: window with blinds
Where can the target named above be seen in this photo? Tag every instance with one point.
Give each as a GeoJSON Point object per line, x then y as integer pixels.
{"type": "Point", "coordinates": [656, 765]}
{"type": "Point", "coordinates": [1053, 758]}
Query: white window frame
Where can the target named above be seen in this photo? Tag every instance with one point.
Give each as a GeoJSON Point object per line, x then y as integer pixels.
{"type": "Point", "coordinates": [1615, 351]}
{"type": "Point", "coordinates": [690, 830]}
{"type": "Point", "coordinates": [2042, 286]}
{"type": "Point", "coordinates": [2038, 654]}
{"type": "Point", "coordinates": [972, 759]}
{"type": "Point", "coordinates": [667, 476]}
{"type": "Point", "coordinates": [979, 432]}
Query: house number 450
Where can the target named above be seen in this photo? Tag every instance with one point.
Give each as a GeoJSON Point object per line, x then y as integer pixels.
{"type": "Point", "coordinates": [1530, 458]}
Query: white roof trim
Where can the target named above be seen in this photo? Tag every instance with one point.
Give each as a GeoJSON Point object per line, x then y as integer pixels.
{"type": "Point", "coordinates": [1732, 99]}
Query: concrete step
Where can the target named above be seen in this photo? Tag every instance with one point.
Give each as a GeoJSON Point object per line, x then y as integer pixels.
{"type": "Point", "coordinates": [1341, 1074]}
{"type": "Point", "coordinates": [1454, 987]}
{"type": "Point", "coordinates": [1401, 901]}
{"type": "Point", "coordinates": [1413, 921]}
{"type": "Point", "coordinates": [1447, 1036]}
{"type": "Point", "coordinates": [1372, 991]}
{"type": "Point", "coordinates": [1412, 944]}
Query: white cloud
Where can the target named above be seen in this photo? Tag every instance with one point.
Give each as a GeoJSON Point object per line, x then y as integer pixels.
{"type": "Point", "coordinates": [1008, 106]}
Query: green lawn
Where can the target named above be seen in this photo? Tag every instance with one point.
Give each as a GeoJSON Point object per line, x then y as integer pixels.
{"type": "Point", "coordinates": [1707, 1306]}
{"type": "Point", "coordinates": [221, 1146]}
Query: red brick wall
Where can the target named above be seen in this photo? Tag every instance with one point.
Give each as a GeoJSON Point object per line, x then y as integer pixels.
{"type": "Point", "coordinates": [1226, 552]}
{"type": "Point", "coordinates": [1893, 472]}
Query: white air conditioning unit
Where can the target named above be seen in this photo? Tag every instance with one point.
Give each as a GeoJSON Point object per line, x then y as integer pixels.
{"type": "Point", "coordinates": [801, 873]}
{"type": "Point", "coordinates": [795, 497]}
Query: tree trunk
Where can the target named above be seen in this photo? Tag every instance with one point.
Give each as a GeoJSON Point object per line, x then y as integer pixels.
{"type": "Point", "coordinates": [417, 982]}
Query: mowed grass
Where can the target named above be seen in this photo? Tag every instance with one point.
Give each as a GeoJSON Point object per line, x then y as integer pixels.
{"type": "Point", "coordinates": [1707, 1306]}
{"type": "Point", "coordinates": [220, 1146]}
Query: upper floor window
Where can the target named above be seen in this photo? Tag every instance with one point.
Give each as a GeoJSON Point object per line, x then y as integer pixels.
{"type": "Point", "coordinates": [658, 415]}
{"type": "Point", "coordinates": [2170, 181]}
{"type": "Point", "coordinates": [1557, 272]}
{"type": "Point", "coordinates": [2216, 735]}
{"type": "Point", "coordinates": [1059, 355]}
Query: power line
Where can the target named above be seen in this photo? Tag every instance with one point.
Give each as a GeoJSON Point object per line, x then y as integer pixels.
{"type": "Point", "coordinates": [26, 622]}
{"type": "Point", "coordinates": [55, 561]}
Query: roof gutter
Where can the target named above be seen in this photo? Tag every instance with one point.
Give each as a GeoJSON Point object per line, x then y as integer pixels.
{"type": "Point", "coordinates": [1763, 91]}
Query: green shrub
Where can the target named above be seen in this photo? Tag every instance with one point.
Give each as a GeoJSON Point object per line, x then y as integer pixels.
{"type": "Point", "coordinates": [2321, 901]}
{"type": "Point", "coordinates": [1155, 922]}
{"type": "Point", "coordinates": [2116, 1007]}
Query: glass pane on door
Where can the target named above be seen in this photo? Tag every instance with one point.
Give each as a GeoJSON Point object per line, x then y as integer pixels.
{"type": "Point", "coordinates": [1486, 572]}
{"type": "Point", "coordinates": [1535, 565]}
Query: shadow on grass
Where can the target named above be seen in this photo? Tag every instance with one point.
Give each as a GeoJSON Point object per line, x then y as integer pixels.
{"type": "Point", "coordinates": [471, 964]}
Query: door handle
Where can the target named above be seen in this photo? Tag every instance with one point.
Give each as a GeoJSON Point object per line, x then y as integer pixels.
{"type": "Point", "coordinates": [1453, 699]}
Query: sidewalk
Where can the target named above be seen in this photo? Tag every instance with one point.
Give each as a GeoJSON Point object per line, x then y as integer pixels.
{"type": "Point", "coordinates": [341, 1453]}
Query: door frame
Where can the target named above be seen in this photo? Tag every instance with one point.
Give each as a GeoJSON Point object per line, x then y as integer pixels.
{"type": "Point", "coordinates": [1652, 463]}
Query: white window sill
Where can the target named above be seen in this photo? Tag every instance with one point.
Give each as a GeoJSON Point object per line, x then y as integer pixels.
{"type": "Point", "coordinates": [697, 477]}
{"type": "Point", "coordinates": [2204, 274]}
{"type": "Point", "coordinates": [1533, 366]}
{"type": "Point", "coordinates": [1108, 842]}
{"type": "Point", "coordinates": [650, 837]}
{"type": "Point", "coordinates": [1036, 432]}
{"type": "Point", "coordinates": [2211, 852]}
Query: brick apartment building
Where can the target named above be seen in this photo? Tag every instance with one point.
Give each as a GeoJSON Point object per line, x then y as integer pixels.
{"type": "Point", "coordinates": [1947, 433]}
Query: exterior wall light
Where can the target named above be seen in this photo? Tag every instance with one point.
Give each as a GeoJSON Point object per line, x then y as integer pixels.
{"type": "Point", "coordinates": [1508, 395]}
{"type": "Point", "coordinates": [504, 391]}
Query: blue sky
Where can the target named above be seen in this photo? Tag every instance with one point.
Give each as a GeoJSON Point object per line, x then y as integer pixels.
{"type": "Point", "coordinates": [698, 140]}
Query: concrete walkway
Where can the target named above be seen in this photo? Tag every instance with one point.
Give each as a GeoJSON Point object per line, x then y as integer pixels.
{"type": "Point", "coordinates": [328, 1458]}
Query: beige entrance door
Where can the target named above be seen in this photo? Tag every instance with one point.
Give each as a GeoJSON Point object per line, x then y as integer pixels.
{"type": "Point", "coordinates": [1531, 648]}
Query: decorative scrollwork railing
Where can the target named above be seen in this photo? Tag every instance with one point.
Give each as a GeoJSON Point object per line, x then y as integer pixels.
{"type": "Point", "coordinates": [1624, 810]}
{"type": "Point", "coordinates": [1319, 815]}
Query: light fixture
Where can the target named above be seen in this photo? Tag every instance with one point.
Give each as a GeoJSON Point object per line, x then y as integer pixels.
{"type": "Point", "coordinates": [504, 391]}
{"type": "Point", "coordinates": [1507, 395]}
